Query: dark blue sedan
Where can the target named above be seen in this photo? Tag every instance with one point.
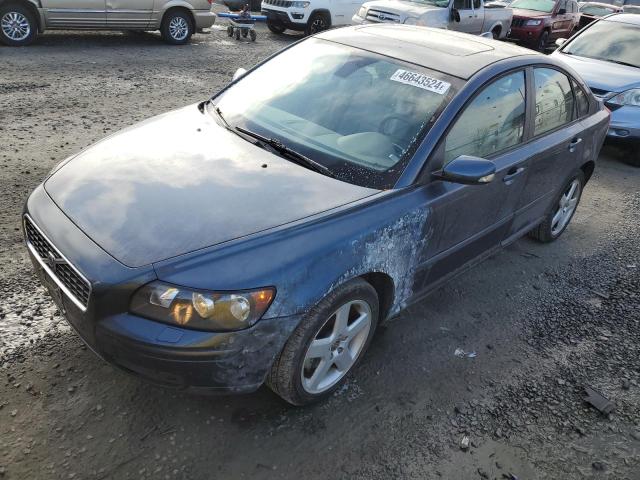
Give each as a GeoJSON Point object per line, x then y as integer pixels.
{"type": "Point", "coordinates": [264, 234]}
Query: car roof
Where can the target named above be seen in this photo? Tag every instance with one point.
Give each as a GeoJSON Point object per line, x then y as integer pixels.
{"type": "Point", "coordinates": [455, 53]}
{"type": "Point", "coordinates": [630, 18]}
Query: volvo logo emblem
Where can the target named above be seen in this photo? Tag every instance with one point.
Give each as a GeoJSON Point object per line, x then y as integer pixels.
{"type": "Point", "coordinates": [51, 260]}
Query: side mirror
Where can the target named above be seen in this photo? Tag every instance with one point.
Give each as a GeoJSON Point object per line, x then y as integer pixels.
{"type": "Point", "coordinates": [239, 73]}
{"type": "Point", "coordinates": [562, 11]}
{"type": "Point", "coordinates": [468, 170]}
{"type": "Point", "coordinates": [455, 15]}
{"type": "Point", "coordinates": [560, 42]}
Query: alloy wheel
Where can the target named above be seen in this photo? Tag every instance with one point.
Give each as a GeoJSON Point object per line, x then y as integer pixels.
{"type": "Point", "coordinates": [178, 28]}
{"type": "Point", "coordinates": [336, 347]}
{"type": "Point", "coordinates": [566, 207]}
{"type": "Point", "coordinates": [15, 26]}
{"type": "Point", "coordinates": [318, 25]}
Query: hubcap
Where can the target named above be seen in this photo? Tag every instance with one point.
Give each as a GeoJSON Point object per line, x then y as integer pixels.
{"type": "Point", "coordinates": [566, 207]}
{"type": "Point", "coordinates": [336, 346]}
{"type": "Point", "coordinates": [317, 25]}
{"type": "Point", "coordinates": [178, 28]}
{"type": "Point", "coordinates": [15, 26]}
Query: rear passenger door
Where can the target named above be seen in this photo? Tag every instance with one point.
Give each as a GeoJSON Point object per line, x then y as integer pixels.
{"type": "Point", "coordinates": [556, 145]}
{"type": "Point", "coordinates": [74, 13]}
{"type": "Point", "coordinates": [129, 14]}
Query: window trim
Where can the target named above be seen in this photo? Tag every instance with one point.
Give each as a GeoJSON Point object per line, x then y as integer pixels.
{"type": "Point", "coordinates": [575, 85]}
{"type": "Point", "coordinates": [439, 149]}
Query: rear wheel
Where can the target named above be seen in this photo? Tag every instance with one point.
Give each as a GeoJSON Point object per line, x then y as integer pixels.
{"type": "Point", "coordinates": [326, 345]}
{"type": "Point", "coordinates": [252, 34]}
{"type": "Point", "coordinates": [177, 27]}
{"type": "Point", "coordinates": [317, 23]}
{"type": "Point", "coordinates": [564, 207]}
{"type": "Point", "coordinates": [18, 26]}
{"type": "Point", "coordinates": [230, 31]}
{"type": "Point", "coordinates": [274, 27]}
{"type": "Point", "coordinates": [496, 33]}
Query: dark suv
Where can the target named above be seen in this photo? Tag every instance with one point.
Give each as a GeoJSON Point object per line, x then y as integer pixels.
{"type": "Point", "coordinates": [537, 22]}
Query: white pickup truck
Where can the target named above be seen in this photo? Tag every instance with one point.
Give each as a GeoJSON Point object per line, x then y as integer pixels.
{"type": "Point", "coordinates": [470, 16]}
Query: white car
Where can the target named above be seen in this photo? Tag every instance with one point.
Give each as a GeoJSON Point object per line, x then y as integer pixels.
{"type": "Point", "coordinates": [309, 16]}
{"type": "Point", "coordinates": [469, 16]}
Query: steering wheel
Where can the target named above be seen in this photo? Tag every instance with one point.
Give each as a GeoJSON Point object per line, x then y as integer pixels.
{"type": "Point", "coordinates": [386, 128]}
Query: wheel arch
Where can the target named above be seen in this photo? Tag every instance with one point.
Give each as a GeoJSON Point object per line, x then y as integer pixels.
{"type": "Point", "coordinates": [33, 8]}
{"type": "Point", "coordinates": [323, 11]}
{"type": "Point", "coordinates": [588, 168]}
{"type": "Point", "coordinates": [497, 26]}
{"type": "Point", "coordinates": [384, 287]}
{"type": "Point", "coordinates": [178, 5]}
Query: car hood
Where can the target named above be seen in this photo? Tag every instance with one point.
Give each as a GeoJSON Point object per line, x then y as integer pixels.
{"type": "Point", "coordinates": [401, 7]}
{"type": "Point", "coordinates": [521, 13]}
{"type": "Point", "coordinates": [180, 182]}
{"type": "Point", "coordinates": [602, 75]}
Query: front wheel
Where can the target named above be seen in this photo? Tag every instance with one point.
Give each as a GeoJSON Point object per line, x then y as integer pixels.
{"type": "Point", "coordinates": [542, 42]}
{"type": "Point", "coordinates": [177, 27]}
{"type": "Point", "coordinates": [18, 26]}
{"type": "Point", "coordinates": [326, 345]}
{"type": "Point", "coordinates": [277, 28]}
{"type": "Point", "coordinates": [564, 207]}
{"type": "Point", "coordinates": [317, 23]}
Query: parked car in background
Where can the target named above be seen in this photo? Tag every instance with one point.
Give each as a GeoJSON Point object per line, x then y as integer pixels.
{"type": "Point", "coordinates": [177, 20]}
{"type": "Point", "coordinates": [264, 234]}
{"type": "Point", "coordinates": [538, 22]}
{"type": "Point", "coordinates": [606, 54]}
{"type": "Point", "coordinates": [308, 16]}
{"type": "Point", "coordinates": [236, 5]}
{"type": "Point", "coordinates": [498, 3]}
{"type": "Point", "coordinates": [631, 9]}
{"type": "Point", "coordinates": [469, 16]}
{"type": "Point", "coordinates": [590, 11]}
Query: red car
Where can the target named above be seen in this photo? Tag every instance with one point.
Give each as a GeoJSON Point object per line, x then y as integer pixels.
{"type": "Point", "coordinates": [537, 22]}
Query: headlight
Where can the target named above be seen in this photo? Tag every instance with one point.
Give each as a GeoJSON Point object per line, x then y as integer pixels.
{"type": "Point", "coordinates": [362, 12]}
{"type": "Point", "coordinates": [411, 21]}
{"type": "Point", "coordinates": [201, 310]}
{"type": "Point", "coordinates": [300, 4]}
{"type": "Point", "coordinates": [532, 23]}
{"type": "Point", "coordinates": [630, 97]}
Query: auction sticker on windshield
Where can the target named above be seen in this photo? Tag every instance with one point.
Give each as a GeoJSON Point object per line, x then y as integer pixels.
{"type": "Point", "coordinates": [421, 81]}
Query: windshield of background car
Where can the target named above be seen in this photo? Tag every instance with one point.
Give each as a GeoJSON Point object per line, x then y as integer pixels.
{"type": "Point", "coordinates": [537, 5]}
{"type": "Point", "coordinates": [610, 41]}
{"type": "Point", "coordinates": [597, 10]}
{"type": "Point", "coordinates": [432, 3]}
{"type": "Point", "coordinates": [358, 113]}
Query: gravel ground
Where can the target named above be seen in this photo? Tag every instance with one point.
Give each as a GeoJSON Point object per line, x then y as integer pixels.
{"type": "Point", "coordinates": [544, 320]}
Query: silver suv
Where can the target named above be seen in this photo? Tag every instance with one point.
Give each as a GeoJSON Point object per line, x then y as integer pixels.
{"type": "Point", "coordinates": [177, 20]}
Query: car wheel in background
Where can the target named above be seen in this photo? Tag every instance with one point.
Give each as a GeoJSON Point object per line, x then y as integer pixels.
{"type": "Point", "coordinates": [326, 345]}
{"type": "Point", "coordinates": [562, 211]}
{"type": "Point", "coordinates": [496, 33]}
{"type": "Point", "coordinates": [543, 40]}
{"type": "Point", "coordinates": [252, 34]}
{"type": "Point", "coordinates": [275, 27]}
{"type": "Point", "coordinates": [317, 23]}
{"type": "Point", "coordinates": [18, 26]}
{"type": "Point", "coordinates": [230, 31]}
{"type": "Point", "coordinates": [177, 27]}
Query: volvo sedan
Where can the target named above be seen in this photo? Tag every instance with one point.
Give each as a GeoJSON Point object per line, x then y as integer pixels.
{"type": "Point", "coordinates": [264, 234]}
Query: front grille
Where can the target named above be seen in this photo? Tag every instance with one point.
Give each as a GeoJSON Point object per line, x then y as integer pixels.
{"type": "Point", "coordinates": [518, 22]}
{"type": "Point", "coordinates": [278, 3]}
{"type": "Point", "coordinates": [382, 16]}
{"type": "Point", "coordinates": [76, 287]}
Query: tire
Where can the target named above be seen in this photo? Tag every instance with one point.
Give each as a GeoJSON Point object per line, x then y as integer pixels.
{"type": "Point", "coordinates": [230, 31]}
{"type": "Point", "coordinates": [550, 229]}
{"type": "Point", "coordinates": [276, 28]}
{"type": "Point", "coordinates": [253, 35]}
{"type": "Point", "coordinates": [543, 40]}
{"type": "Point", "coordinates": [339, 350]}
{"type": "Point", "coordinates": [177, 27]}
{"type": "Point", "coordinates": [18, 26]}
{"type": "Point", "coordinates": [495, 33]}
{"type": "Point", "coordinates": [317, 23]}
{"type": "Point", "coordinates": [237, 34]}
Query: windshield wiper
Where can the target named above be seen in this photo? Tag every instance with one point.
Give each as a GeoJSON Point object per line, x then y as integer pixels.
{"type": "Point", "coordinates": [281, 148]}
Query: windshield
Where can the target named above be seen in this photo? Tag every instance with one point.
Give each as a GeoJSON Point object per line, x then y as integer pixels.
{"type": "Point", "coordinates": [357, 113]}
{"type": "Point", "coordinates": [537, 5]}
{"type": "Point", "coordinates": [434, 3]}
{"type": "Point", "coordinates": [597, 10]}
{"type": "Point", "coordinates": [611, 41]}
{"type": "Point", "coordinates": [631, 9]}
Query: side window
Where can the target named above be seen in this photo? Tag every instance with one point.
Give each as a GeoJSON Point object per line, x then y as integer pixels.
{"type": "Point", "coordinates": [582, 102]}
{"type": "Point", "coordinates": [492, 122]}
{"type": "Point", "coordinates": [554, 100]}
{"type": "Point", "coordinates": [574, 6]}
{"type": "Point", "coordinates": [477, 4]}
{"type": "Point", "coordinates": [562, 5]}
{"type": "Point", "coordinates": [462, 4]}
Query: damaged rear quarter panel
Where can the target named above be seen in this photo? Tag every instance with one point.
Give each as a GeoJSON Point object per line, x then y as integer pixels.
{"type": "Point", "coordinates": [387, 233]}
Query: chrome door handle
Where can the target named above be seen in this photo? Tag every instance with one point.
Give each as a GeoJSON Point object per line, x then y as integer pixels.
{"type": "Point", "coordinates": [574, 143]}
{"type": "Point", "coordinates": [512, 173]}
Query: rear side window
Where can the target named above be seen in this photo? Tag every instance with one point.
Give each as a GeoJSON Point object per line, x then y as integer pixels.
{"type": "Point", "coordinates": [582, 102]}
{"type": "Point", "coordinates": [554, 100]}
{"type": "Point", "coordinates": [492, 122]}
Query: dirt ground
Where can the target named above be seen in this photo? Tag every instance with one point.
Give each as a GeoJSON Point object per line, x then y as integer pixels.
{"type": "Point", "coordinates": [544, 320]}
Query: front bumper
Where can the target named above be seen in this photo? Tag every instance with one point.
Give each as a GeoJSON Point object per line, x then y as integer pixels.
{"type": "Point", "coordinates": [625, 124]}
{"type": "Point", "coordinates": [529, 36]}
{"type": "Point", "coordinates": [286, 18]}
{"type": "Point", "coordinates": [161, 353]}
{"type": "Point", "coordinates": [204, 18]}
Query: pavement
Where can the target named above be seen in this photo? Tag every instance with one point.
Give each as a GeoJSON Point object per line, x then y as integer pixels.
{"type": "Point", "coordinates": [545, 321]}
